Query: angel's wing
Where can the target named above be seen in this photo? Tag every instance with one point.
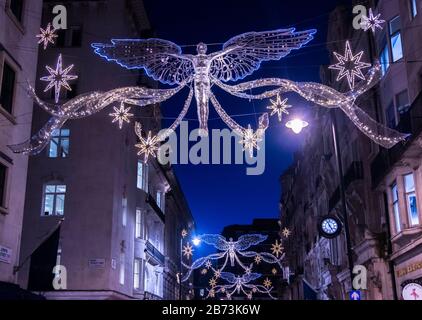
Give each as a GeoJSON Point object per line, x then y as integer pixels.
{"type": "Point", "coordinates": [215, 240]}
{"type": "Point", "coordinates": [162, 60]}
{"type": "Point", "coordinates": [250, 277]}
{"type": "Point", "coordinates": [229, 277]}
{"type": "Point", "coordinates": [249, 240]}
{"type": "Point", "coordinates": [242, 55]}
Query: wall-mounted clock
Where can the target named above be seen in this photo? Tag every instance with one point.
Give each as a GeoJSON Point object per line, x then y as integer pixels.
{"type": "Point", "coordinates": [330, 227]}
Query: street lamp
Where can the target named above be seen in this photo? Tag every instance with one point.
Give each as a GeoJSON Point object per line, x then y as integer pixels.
{"type": "Point", "coordinates": [297, 125]}
{"type": "Point", "coordinates": [196, 241]}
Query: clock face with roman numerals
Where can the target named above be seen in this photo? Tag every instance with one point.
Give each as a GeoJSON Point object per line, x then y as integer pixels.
{"type": "Point", "coordinates": [330, 227]}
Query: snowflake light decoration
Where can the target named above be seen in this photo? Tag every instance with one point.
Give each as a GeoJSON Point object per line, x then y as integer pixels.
{"type": "Point", "coordinates": [258, 259]}
{"type": "Point", "coordinates": [217, 274]}
{"type": "Point", "coordinates": [250, 140]}
{"type": "Point", "coordinates": [349, 66]}
{"type": "Point", "coordinates": [47, 35]}
{"type": "Point", "coordinates": [121, 115]}
{"type": "Point", "coordinates": [372, 22]}
{"type": "Point", "coordinates": [188, 251]}
{"type": "Point", "coordinates": [208, 264]}
{"type": "Point", "coordinates": [213, 283]}
{"type": "Point", "coordinates": [184, 233]}
{"type": "Point", "coordinates": [286, 233]}
{"type": "Point", "coordinates": [277, 248]}
{"type": "Point", "coordinates": [147, 147]}
{"type": "Point", "coordinates": [59, 78]}
{"type": "Point", "coordinates": [279, 107]}
{"type": "Point", "coordinates": [267, 283]}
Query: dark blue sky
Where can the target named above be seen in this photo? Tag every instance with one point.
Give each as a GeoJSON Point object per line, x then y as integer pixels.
{"type": "Point", "coordinates": [222, 195]}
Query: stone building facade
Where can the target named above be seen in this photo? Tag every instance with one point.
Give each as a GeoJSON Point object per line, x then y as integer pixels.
{"type": "Point", "coordinates": [93, 206]}
{"type": "Point", "coordinates": [383, 189]}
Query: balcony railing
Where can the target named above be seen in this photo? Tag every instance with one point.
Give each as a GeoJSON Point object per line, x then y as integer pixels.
{"type": "Point", "coordinates": [154, 253]}
{"type": "Point", "coordinates": [410, 122]}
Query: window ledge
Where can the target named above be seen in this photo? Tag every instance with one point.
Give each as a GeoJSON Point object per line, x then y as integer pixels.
{"type": "Point", "coordinates": [7, 115]}
{"type": "Point", "coordinates": [15, 21]}
{"type": "Point", "coordinates": [406, 235]}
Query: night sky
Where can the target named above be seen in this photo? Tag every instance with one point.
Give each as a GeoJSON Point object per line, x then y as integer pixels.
{"type": "Point", "coordinates": [221, 195]}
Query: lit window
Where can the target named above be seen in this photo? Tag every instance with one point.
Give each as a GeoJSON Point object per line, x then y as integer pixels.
{"type": "Point", "coordinates": [411, 204]}
{"type": "Point", "coordinates": [8, 81]}
{"type": "Point", "coordinates": [122, 269]}
{"type": "Point", "coordinates": [136, 274]}
{"type": "Point", "coordinates": [385, 60]}
{"type": "Point", "coordinates": [142, 181]}
{"type": "Point", "coordinates": [160, 200]}
{"type": "Point", "coordinates": [54, 197]}
{"type": "Point", "coordinates": [413, 8]}
{"type": "Point", "coordinates": [124, 212]}
{"type": "Point", "coordinates": [59, 144]}
{"type": "Point", "coordinates": [396, 209]}
{"type": "Point", "coordinates": [3, 175]}
{"type": "Point", "coordinates": [138, 224]}
{"type": "Point", "coordinates": [395, 39]}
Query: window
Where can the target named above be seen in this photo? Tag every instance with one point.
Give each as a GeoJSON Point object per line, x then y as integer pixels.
{"type": "Point", "coordinates": [136, 274]}
{"type": "Point", "coordinates": [16, 6]}
{"type": "Point", "coordinates": [385, 60]}
{"type": "Point", "coordinates": [124, 212]}
{"type": "Point", "coordinates": [142, 180]}
{"type": "Point", "coordinates": [122, 269]}
{"type": "Point", "coordinates": [160, 200]}
{"type": "Point", "coordinates": [3, 176]}
{"type": "Point", "coordinates": [391, 116]}
{"type": "Point", "coordinates": [413, 8]}
{"type": "Point", "coordinates": [402, 101]}
{"type": "Point", "coordinates": [54, 197]}
{"type": "Point", "coordinates": [395, 39]}
{"type": "Point", "coordinates": [7, 87]}
{"type": "Point", "coordinates": [59, 144]}
{"type": "Point", "coordinates": [396, 210]}
{"type": "Point", "coordinates": [138, 224]}
{"type": "Point", "coordinates": [411, 205]}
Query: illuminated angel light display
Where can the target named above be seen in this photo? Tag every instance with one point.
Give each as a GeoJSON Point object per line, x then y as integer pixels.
{"type": "Point", "coordinates": [241, 56]}
{"type": "Point", "coordinates": [232, 254]}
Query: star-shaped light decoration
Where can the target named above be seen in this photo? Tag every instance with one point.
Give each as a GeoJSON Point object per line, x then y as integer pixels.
{"type": "Point", "coordinates": [184, 233]}
{"type": "Point", "coordinates": [248, 270]}
{"type": "Point", "coordinates": [286, 233]}
{"type": "Point", "coordinates": [188, 251]}
{"type": "Point", "coordinates": [213, 283]}
{"type": "Point", "coordinates": [59, 78]}
{"type": "Point", "coordinates": [121, 115]}
{"type": "Point", "coordinates": [47, 36]}
{"type": "Point", "coordinates": [217, 274]}
{"type": "Point", "coordinates": [147, 147]}
{"type": "Point", "coordinates": [249, 296]}
{"type": "Point", "coordinates": [372, 22]}
{"type": "Point", "coordinates": [258, 259]}
{"type": "Point", "coordinates": [277, 249]}
{"type": "Point", "coordinates": [274, 271]}
{"type": "Point", "coordinates": [254, 289]}
{"type": "Point", "coordinates": [223, 290]}
{"type": "Point", "coordinates": [349, 66]}
{"type": "Point", "coordinates": [250, 140]}
{"type": "Point", "coordinates": [212, 293]}
{"type": "Point", "coordinates": [267, 283]}
{"type": "Point", "coordinates": [279, 107]}
{"type": "Point", "coordinates": [228, 296]}
{"type": "Point", "coordinates": [204, 272]}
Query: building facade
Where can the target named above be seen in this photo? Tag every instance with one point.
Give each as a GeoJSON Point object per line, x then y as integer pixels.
{"type": "Point", "coordinates": [19, 23]}
{"type": "Point", "coordinates": [383, 192]}
{"type": "Point", "coordinates": [93, 206]}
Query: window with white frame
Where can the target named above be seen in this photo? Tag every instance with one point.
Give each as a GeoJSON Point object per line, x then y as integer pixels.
{"type": "Point", "coordinates": [160, 200]}
{"type": "Point", "coordinates": [138, 224]}
{"type": "Point", "coordinates": [59, 144]}
{"type": "Point", "coordinates": [122, 269]}
{"type": "Point", "coordinates": [411, 203]}
{"type": "Point", "coordinates": [396, 207]}
{"type": "Point", "coordinates": [142, 176]}
{"type": "Point", "coordinates": [53, 202]}
{"type": "Point", "coordinates": [3, 180]}
{"type": "Point", "coordinates": [384, 60]}
{"type": "Point", "coordinates": [137, 274]}
{"type": "Point", "coordinates": [413, 8]}
{"type": "Point", "coordinates": [7, 89]}
{"type": "Point", "coordinates": [396, 39]}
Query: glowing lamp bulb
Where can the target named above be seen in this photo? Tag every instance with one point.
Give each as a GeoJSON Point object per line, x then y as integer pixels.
{"type": "Point", "coordinates": [196, 242]}
{"type": "Point", "coordinates": [297, 125]}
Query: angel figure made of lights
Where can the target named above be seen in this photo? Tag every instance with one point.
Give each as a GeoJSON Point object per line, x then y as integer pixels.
{"type": "Point", "coordinates": [242, 55]}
